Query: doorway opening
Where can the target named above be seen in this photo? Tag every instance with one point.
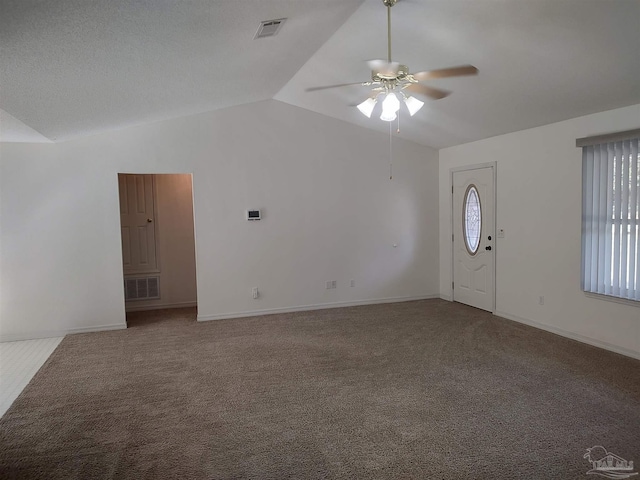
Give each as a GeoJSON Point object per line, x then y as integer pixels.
{"type": "Point", "coordinates": [158, 246]}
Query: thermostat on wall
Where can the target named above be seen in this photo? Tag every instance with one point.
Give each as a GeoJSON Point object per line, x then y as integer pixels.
{"type": "Point", "coordinates": [254, 215]}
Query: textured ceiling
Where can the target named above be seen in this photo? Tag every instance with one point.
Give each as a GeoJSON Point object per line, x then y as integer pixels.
{"type": "Point", "coordinates": [75, 67]}
{"type": "Point", "coordinates": [16, 131]}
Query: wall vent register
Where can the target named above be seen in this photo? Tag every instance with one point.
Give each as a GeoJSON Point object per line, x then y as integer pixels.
{"type": "Point", "coordinates": [141, 288]}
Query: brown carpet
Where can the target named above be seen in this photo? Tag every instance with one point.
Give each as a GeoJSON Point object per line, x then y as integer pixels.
{"type": "Point", "coordinates": [426, 390]}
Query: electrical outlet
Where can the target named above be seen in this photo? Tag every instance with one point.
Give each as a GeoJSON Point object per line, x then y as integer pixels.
{"type": "Point", "coordinates": [501, 233]}
{"type": "Point", "coordinates": [540, 300]}
{"type": "Point", "coordinates": [328, 287]}
{"type": "Point", "coordinates": [333, 284]}
{"type": "Point", "coordinates": [255, 292]}
{"type": "Point", "coordinates": [353, 283]}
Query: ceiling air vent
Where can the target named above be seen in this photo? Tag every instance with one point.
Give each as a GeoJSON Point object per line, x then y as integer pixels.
{"type": "Point", "coordinates": [269, 28]}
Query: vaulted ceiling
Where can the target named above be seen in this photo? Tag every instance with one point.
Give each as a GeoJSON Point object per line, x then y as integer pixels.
{"type": "Point", "coordinates": [70, 68]}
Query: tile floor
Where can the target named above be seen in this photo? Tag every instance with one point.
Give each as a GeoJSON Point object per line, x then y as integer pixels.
{"type": "Point", "coordinates": [19, 362]}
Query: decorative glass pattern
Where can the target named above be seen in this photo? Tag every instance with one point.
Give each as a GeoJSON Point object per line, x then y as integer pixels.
{"type": "Point", "coordinates": [472, 219]}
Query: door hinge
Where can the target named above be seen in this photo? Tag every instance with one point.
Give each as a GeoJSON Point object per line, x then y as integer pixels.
{"type": "Point", "coordinates": [452, 287]}
{"type": "Point", "coordinates": [451, 189]}
{"type": "Point", "coordinates": [452, 237]}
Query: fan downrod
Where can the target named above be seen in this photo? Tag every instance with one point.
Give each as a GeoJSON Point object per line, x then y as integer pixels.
{"type": "Point", "coordinates": [389, 3]}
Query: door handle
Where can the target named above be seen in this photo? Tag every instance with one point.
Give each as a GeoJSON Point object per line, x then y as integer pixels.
{"type": "Point", "coordinates": [149, 220]}
{"type": "Point", "coordinates": [488, 247]}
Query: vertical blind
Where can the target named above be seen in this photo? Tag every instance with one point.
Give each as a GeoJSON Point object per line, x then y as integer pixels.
{"type": "Point", "coordinates": [610, 214]}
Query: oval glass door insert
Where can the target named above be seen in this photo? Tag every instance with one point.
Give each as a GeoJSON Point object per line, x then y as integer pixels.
{"type": "Point", "coordinates": [472, 219]}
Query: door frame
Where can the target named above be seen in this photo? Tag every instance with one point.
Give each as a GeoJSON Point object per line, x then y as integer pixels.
{"type": "Point", "coordinates": [156, 214]}
{"type": "Point", "coordinates": [477, 166]}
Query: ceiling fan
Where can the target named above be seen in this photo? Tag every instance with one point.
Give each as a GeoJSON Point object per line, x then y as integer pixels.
{"type": "Point", "coordinates": [392, 79]}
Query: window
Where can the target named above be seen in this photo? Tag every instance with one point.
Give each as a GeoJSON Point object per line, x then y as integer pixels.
{"type": "Point", "coordinates": [472, 219]}
{"type": "Point", "coordinates": [610, 215]}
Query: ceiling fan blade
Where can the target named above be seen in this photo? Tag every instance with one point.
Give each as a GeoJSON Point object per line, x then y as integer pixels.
{"type": "Point", "coordinates": [315, 89]}
{"type": "Point", "coordinates": [430, 92]}
{"type": "Point", "coordinates": [384, 67]}
{"type": "Point", "coordinates": [446, 72]}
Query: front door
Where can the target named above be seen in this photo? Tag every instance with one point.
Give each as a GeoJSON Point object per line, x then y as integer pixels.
{"type": "Point", "coordinates": [474, 237]}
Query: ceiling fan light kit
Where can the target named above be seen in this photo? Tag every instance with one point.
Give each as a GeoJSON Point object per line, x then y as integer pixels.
{"type": "Point", "coordinates": [367, 106]}
{"type": "Point", "coordinates": [390, 107]}
{"type": "Point", "coordinates": [413, 104]}
{"type": "Point", "coordinates": [391, 79]}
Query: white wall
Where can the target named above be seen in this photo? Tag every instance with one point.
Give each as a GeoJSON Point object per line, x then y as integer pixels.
{"type": "Point", "coordinates": [539, 184]}
{"type": "Point", "coordinates": [330, 213]}
{"type": "Point", "coordinates": [175, 241]}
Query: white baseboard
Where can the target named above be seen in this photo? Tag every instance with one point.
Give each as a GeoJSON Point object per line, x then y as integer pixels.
{"type": "Point", "coordinates": [60, 333]}
{"type": "Point", "coordinates": [139, 308]}
{"type": "Point", "coordinates": [319, 306]}
{"type": "Point", "coordinates": [446, 297]}
{"type": "Point", "coordinates": [573, 336]}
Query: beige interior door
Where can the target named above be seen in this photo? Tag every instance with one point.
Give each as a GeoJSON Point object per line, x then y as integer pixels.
{"type": "Point", "coordinates": [474, 237]}
{"type": "Point", "coordinates": [137, 220]}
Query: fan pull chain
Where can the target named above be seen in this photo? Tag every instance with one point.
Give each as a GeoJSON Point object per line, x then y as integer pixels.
{"type": "Point", "coordinates": [390, 154]}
